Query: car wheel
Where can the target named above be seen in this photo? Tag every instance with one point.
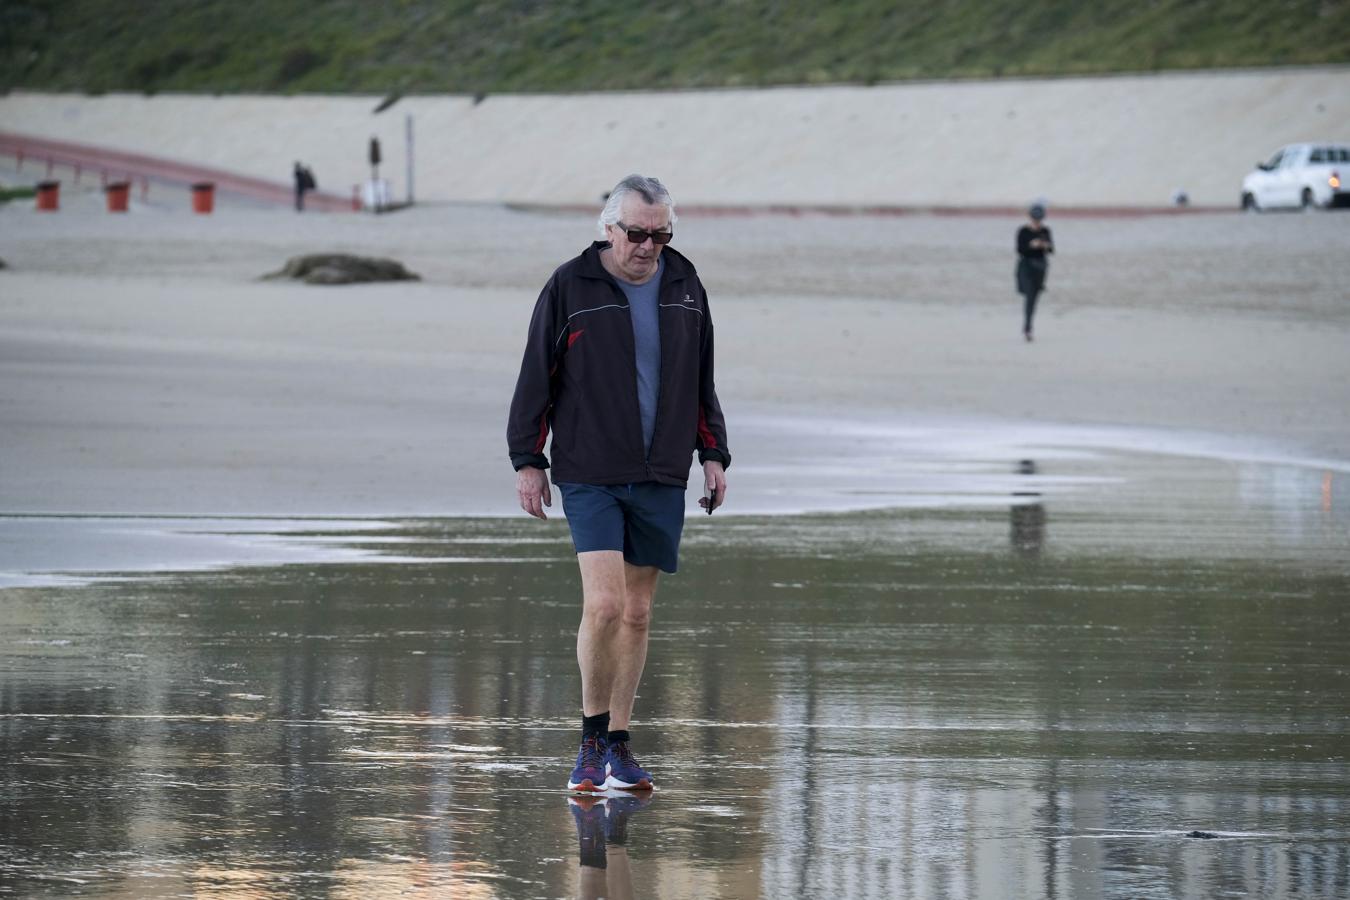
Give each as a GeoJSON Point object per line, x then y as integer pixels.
{"type": "Point", "coordinates": [1249, 203]}
{"type": "Point", "coordinates": [1307, 199]}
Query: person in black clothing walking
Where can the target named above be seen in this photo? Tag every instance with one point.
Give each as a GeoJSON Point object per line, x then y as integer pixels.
{"type": "Point", "coordinates": [1033, 244]}
{"type": "Point", "coordinates": [618, 365]}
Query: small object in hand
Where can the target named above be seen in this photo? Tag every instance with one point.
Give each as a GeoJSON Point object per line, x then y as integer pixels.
{"type": "Point", "coordinates": [709, 498]}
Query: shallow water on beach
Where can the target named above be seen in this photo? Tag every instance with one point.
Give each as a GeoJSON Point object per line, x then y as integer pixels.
{"type": "Point", "coordinates": [1130, 691]}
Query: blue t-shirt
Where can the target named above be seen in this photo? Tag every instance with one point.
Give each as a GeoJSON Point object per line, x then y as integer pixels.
{"type": "Point", "coordinates": [643, 308]}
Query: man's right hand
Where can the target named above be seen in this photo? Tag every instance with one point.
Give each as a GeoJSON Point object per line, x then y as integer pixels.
{"type": "Point", "coordinates": [532, 488]}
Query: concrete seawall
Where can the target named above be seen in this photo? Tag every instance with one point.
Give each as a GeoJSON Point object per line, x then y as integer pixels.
{"type": "Point", "coordinates": [1114, 141]}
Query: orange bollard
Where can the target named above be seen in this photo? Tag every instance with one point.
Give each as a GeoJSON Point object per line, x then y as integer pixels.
{"type": "Point", "coordinates": [203, 197]}
{"type": "Point", "coordinates": [118, 193]}
{"type": "Point", "coordinates": [49, 196]}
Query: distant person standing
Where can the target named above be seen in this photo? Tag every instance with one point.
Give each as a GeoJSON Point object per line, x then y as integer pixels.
{"type": "Point", "coordinates": [304, 182]}
{"type": "Point", "coordinates": [1033, 244]}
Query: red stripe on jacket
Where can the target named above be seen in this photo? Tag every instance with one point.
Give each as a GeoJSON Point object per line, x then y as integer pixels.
{"type": "Point", "coordinates": [543, 433]}
{"type": "Point", "coordinates": [705, 434]}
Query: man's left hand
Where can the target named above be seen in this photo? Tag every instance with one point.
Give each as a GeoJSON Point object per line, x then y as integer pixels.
{"type": "Point", "coordinates": [715, 481]}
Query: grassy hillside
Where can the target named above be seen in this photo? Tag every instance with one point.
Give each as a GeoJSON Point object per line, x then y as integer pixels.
{"type": "Point", "coordinates": [541, 45]}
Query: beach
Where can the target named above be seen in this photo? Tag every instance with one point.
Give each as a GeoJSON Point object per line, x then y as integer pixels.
{"type": "Point", "coordinates": [148, 370]}
{"type": "Point", "coordinates": [981, 617]}
{"type": "Point", "coordinates": [1136, 692]}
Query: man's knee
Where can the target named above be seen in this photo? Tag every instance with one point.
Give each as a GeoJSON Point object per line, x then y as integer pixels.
{"type": "Point", "coordinates": [606, 610]}
{"type": "Point", "coordinates": [603, 607]}
{"type": "Point", "coordinates": [640, 588]}
{"type": "Point", "coordinates": [637, 613]}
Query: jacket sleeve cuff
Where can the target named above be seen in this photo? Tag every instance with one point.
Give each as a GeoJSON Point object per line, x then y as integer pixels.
{"type": "Point", "coordinates": [716, 454]}
{"type": "Point", "coordinates": [521, 460]}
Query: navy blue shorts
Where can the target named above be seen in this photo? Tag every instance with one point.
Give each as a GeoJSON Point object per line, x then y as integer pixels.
{"type": "Point", "coordinates": [643, 520]}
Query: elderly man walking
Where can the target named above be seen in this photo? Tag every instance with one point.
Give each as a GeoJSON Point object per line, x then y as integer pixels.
{"type": "Point", "coordinates": [619, 366]}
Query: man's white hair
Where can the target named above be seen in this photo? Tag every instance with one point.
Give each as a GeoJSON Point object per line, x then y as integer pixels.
{"type": "Point", "coordinates": [649, 189]}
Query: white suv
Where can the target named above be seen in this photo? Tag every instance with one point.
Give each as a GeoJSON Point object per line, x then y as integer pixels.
{"type": "Point", "coordinates": [1303, 175]}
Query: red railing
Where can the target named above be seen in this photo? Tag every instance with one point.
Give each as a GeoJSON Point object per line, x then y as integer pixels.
{"type": "Point", "coordinates": [140, 168]}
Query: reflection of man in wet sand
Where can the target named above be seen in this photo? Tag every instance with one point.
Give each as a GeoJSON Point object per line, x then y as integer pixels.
{"type": "Point", "coordinates": [619, 365]}
{"type": "Point", "coordinates": [602, 836]}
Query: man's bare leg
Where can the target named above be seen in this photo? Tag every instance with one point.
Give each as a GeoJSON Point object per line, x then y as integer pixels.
{"type": "Point", "coordinates": [602, 597]}
{"type": "Point", "coordinates": [612, 639]}
{"type": "Point", "coordinates": [630, 643]}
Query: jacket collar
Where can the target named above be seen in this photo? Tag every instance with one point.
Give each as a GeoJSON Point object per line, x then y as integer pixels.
{"type": "Point", "coordinates": [676, 268]}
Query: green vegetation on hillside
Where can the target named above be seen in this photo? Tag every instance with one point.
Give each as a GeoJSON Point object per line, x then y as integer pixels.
{"type": "Point", "coordinates": [478, 46]}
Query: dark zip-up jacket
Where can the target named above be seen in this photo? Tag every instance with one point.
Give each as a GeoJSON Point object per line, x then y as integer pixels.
{"type": "Point", "coordinates": [579, 379]}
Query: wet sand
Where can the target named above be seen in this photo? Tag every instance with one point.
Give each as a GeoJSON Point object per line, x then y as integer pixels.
{"type": "Point", "coordinates": [1056, 698]}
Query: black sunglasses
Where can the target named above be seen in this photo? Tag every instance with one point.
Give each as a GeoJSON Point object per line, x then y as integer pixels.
{"type": "Point", "coordinates": [638, 236]}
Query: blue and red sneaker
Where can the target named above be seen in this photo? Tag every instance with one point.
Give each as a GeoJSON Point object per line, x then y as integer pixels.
{"type": "Point", "coordinates": [589, 775]}
{"type": "Point", "coordinates": [622, 770]}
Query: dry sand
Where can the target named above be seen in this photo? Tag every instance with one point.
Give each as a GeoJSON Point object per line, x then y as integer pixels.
{"type": "Point", "coordinates": [1125, 140]}
{"type": "Point", "coordinates": [862, 361]}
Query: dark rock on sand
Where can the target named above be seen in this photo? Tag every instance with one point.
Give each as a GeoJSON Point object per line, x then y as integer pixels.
{"type": "Point", "coordinates": [343, 268]}
{"type": "Point", "coordinates": [1207, 835]}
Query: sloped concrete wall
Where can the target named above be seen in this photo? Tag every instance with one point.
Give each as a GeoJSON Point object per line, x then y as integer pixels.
{"type": "Point", "coordinates": [1115, 141]}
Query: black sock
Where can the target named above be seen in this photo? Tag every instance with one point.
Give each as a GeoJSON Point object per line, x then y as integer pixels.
{"type": "Point", "coordinates": [615, 736]}
{"type": "Point", "coordinates": [597, 725]}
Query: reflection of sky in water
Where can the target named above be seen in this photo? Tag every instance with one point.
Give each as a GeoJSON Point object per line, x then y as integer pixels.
{"type": "Point", "coordinates": [1193, 495]}
{"type": "Point", "coordinates": [840, 464]}
{"type": "Point", "coordinates": [1303, 503]}
{"type": "Point", "coordinates": [1038, 696]}
{"type": "Point", "coordinates": [76, 549]}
